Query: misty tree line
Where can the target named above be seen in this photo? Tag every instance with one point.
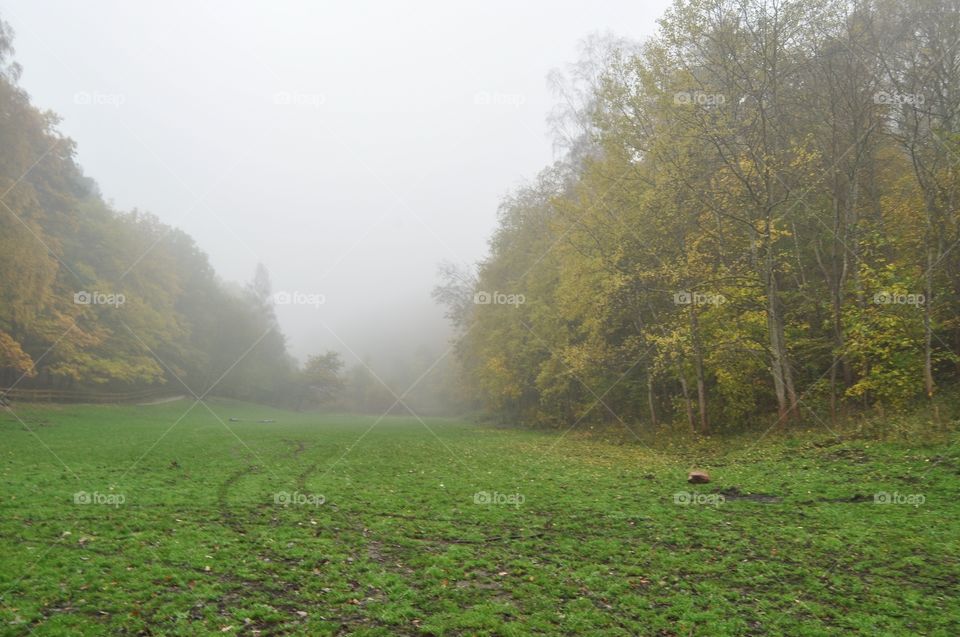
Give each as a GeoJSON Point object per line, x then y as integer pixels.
{"type": "Point", "coordinates": [756, 214]}
{"type": "Point", "coordinates": [98, 299]}
{"type": "Point", "coordinates": [95, 300]}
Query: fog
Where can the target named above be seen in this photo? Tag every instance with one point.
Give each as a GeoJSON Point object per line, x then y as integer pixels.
{"type": "Point", "coordinates": [349, 147]}
{"type": "Point", "coordinates": [489, 318]}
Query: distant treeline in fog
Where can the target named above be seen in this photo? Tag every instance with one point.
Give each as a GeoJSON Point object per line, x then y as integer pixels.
{"type": "Point", "coordinates": [97, 300]}
{"type": "Point", "coordinates": [756, 214]}
{"type": "Point", "coordinates": [93, 297]}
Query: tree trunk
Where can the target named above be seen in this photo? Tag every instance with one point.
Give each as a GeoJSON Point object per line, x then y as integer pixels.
{"type": "Point", "coordinates": [651, 402]}
{"type": "Point", "coordinates": [776, 349]}
{"type": "Point", "coordinates": [928, 336]}
{"type": "Point", "coordinates": [688, 403]}
{"type": "Point", "coordinates": [698, 365]}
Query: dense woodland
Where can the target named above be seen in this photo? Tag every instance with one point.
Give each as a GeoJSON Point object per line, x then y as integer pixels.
{"type": "Point", "coordinates": [755, 220]}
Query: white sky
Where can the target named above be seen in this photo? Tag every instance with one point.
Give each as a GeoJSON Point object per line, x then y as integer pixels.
{"type": "Point", "coordinates": [382, 164]}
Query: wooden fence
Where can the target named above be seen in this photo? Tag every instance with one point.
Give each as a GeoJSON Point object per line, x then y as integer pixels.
{"type": "Point", "coordinates": [18, 394]}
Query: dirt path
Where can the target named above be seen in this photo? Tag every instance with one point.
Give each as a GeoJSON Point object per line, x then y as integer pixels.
{"type": "Point", "coordinates": [160, 401]}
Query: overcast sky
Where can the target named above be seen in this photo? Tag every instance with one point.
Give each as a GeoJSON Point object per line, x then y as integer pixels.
{"type": "Point", "coordinates": [348, 146]}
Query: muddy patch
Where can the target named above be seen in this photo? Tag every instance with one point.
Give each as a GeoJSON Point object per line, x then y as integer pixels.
{"type": "Point", "coordinates": [734, 493]}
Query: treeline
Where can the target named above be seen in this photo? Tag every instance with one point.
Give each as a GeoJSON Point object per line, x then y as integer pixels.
{"type": "Point", "coordinates": [755, 221]}
{"type": "Point", "coordinates": [425, 382]}
{"type": "Point", "coordinates": [98, 299]}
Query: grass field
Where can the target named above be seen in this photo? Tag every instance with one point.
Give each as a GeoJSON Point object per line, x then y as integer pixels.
{"type": "Point", "coordinates": [145, 521]}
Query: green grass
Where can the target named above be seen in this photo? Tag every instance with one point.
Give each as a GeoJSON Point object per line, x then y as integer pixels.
{"type": "Point", "coordinates": [597, 546]}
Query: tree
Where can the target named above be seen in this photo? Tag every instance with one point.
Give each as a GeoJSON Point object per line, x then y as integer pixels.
{"type": "Point", "coordinates": [321, 379]}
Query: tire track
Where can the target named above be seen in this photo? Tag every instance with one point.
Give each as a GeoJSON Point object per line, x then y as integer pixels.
{"type": "Point", "coordinates": [227, 514]}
